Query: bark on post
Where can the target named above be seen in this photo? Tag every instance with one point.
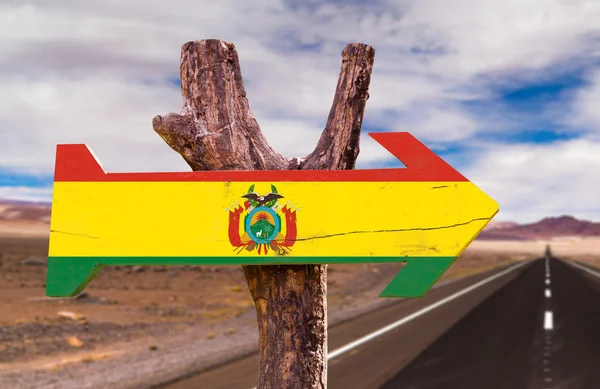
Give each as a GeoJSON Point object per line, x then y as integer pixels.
{"type": "Point", "coordinates": [217, 131]}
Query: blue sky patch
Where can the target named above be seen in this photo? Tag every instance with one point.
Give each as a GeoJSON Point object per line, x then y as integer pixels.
{"type": "Point", "coordinates": [8, 179]}
{"type": "Point", "coordinates": [538, 136]}
{"type": "Point", "coordinates": [533, 97]}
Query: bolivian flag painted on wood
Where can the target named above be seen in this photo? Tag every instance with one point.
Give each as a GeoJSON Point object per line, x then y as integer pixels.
{"type": "Point", "coordinates": [425, 215]}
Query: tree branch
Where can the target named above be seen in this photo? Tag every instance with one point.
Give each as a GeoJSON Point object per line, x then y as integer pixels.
{"type": "Point", "coordinates": [217, 131]}
{"type": "Point", "coordinates": [338, 146]}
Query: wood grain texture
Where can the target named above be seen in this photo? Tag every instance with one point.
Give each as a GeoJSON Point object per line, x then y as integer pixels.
{"type": "Point", "coordinates": [338, 146]}
{"type": "Point", "coordinates": [217, 131]}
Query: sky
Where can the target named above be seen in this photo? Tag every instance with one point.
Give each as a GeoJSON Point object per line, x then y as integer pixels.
{"type": "Point", "coordinates": [507, 92]}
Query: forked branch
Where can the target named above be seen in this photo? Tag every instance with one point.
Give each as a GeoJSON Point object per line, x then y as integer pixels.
{"type": "Point", "coordinates": [217, 131]}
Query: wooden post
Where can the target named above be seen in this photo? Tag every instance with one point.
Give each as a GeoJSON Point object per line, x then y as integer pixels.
{"type": "Point", "coordinates": [217, 131]}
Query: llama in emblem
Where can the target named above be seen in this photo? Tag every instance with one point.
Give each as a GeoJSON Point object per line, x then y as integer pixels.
{"type": "Point", "coordinates": [262, 223]}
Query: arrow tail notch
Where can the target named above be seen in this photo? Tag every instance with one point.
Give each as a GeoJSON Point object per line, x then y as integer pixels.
{"type": "Point", "coordinates": [69, 276]}
{"type": "Point", "coordinates": [418, 275]}
{"type": "Point", "coordinates": [76, 162]}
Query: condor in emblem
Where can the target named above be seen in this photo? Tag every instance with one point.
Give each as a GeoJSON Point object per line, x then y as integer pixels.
{"type": "Point", "coordinates": [262, 223]}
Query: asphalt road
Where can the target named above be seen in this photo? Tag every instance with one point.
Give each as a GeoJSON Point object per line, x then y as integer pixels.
{"type": "Point", "coordinates": [542, 330]}
{"type": "Point", "coordinates": [533, 326]}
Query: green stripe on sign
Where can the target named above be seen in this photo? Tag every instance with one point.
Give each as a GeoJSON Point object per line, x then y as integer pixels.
{"type": "Point", "coordinates": [68, 276]}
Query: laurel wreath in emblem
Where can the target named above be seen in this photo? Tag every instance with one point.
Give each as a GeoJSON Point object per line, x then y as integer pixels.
{"type": "Point", "coordinates": [263, 223]}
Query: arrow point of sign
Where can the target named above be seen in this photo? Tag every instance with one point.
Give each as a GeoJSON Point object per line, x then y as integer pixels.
{"type": "Point", "coordinates": [68, 276]}
{"type": "Point", "coordinates": [417, 276]}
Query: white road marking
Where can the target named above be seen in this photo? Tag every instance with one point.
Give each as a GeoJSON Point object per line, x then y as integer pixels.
{"type": "Point", "coordinates": [548, 320]}
{"type": "Point", "coordinates": [389, 327]}
{"type": "Point", "coordinates": [585, 269]}
{"type": "Point", "coordinates": [548, 324]}
{"type": "Point", "coordinates": [352, 345]}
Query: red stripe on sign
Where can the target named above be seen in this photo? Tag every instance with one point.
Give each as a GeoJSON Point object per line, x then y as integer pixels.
{"type": "Point", "coordinates": [76, 163]}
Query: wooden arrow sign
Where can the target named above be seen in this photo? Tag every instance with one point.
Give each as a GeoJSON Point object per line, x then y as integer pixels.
{"type": "Point", "coordinates": [425, 215]}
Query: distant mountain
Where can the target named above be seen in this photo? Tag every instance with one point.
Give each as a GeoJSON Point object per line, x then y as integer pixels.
{"type": "Point", "coordinates": [561, 226]}
{"type": "Point", "coordinates": [500, 225]}
{"type": "Point", "coordinates": [546, 228]}
{"type": "Point", "coordinates": [22, 211]}
{"type": "Point", "coordinates": [500, 234]}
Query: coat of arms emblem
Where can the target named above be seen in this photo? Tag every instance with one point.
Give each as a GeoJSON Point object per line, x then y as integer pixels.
{"type": "Point", "coordinates": [263, 219]}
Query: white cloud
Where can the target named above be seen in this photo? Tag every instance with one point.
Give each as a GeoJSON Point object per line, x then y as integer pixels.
{"type": "Point", "coordinates": [293, 138]}
{"type": "Point", "coordinates": [585, 103]}
{"type": "Point", "coordinates": [96, 72]}
{"type": "Point", "coordinates": [111, 115]}
{"type": "Point", "coordinates": [428, 122]}
{"type": "Point", "coordinates": [487, 35]}
{"type": "Point", "coordinates": [534, 181]}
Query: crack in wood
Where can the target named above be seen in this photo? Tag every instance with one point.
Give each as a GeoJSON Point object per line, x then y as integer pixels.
{"type": "Point", "coordinates": [74, 234]}
{"type": "Point", "coordinates": [395, 230]}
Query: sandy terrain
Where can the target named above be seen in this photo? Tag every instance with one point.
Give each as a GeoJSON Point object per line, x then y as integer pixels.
{"type": "Point", "coordinates": [561, 247]}
{"type": "Point", "coordinates": [173, 318]}
{"type": "Point", "coordinates": [19, 229]}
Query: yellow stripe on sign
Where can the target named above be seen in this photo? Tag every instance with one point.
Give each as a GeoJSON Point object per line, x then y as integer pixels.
{"type": "Point", "coordinates": [335, 218]}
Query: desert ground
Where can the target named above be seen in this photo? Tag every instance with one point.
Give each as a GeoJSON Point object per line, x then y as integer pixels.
{"type": "Point", "coordinates": [140, 312]}
{"type": "Point", "coordinates": [585, 249]}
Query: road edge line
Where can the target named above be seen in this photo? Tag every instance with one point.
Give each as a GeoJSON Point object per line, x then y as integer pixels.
{"type": "Point", "coordinates": [582, 267]}
{"type": "Point", "coordinates": [344, 349]}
